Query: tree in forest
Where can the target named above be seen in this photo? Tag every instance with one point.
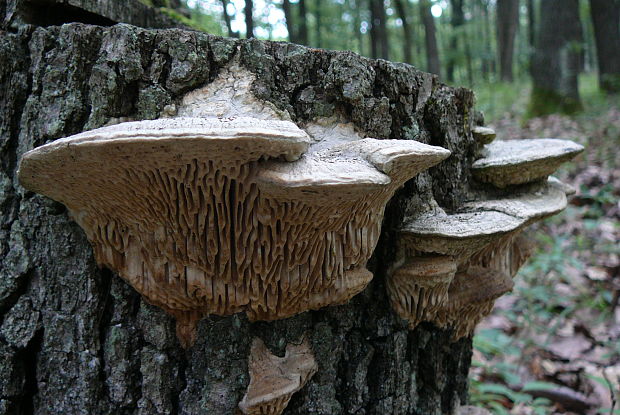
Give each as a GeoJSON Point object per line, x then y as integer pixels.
{"type": "Point", "coordinates": [378, 30]}
{"type": "Point", "coordinates": [303, 24]}
{"type": "Point", "coordinates": [430, 38]}
{"type": "Point", "coordinates": [408, 40]}
{"type": "Point", "coordinates": [249, 19]}
{"type": "Point", "coordinates": [507, 25]}
{"type": "Point", "coordinates": [226, 16]}
{"type": "Point", "coordinates": [457, 20]}
{"type": "Point", "coordinates": [606, 22]}
{"type": "Point", "coordinates": [318, 26]}
{"type": "Point", "coordinates": [290, 24]}
{"type": "Point", "coordinates": [557, 59]}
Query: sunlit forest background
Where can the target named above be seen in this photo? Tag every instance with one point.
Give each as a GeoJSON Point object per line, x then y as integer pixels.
{"type": "Point", "coordinates": [539, 68]}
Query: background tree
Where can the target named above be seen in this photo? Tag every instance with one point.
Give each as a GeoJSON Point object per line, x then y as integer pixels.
{"type": "Point", "coordinates": [507, 25]}
{"type": "Point", "coordinates": [457, 20]}
{"type": "Point", "coordinates": [303, 24]}
{"type": "Point", "coordinates": [606, 22]}
{"type": "Point", "coordinates": [290, 24]}
{"type": "Point", "coordinates": [378, 30]}
{"type": "Point", "coordinates": [227, 21]}
{"type": "Point", "coordinates": [249, 19]}
{"type": "Point", "coordinates": [408, 40]}
{"type": "Point", "coordinates": [557, 58]}
{"type": "Point", "coordinates": [430, 38]}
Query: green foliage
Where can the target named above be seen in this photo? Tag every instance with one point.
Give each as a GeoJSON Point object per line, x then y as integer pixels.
{"type": "Point", "coordinates": [545, 101]}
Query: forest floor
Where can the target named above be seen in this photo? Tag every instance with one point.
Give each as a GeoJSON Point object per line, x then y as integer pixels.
{"type": "Point", "coordinates": [552, 346]}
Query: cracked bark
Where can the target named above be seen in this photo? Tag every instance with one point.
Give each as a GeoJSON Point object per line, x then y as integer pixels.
{"type": "Point", "coordinates": [75, 339]}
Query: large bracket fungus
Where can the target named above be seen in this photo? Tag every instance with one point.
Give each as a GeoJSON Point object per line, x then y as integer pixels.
{"type": "Point", "coordinates": [452, 267]}
{"type": "Point", "coordinates": [217, 212]}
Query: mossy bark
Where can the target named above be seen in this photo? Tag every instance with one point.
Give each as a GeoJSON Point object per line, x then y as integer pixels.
{"type": "Point", "coordinates": [75, 339]}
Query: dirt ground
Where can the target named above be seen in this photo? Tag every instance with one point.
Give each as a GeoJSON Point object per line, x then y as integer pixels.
{"type": "Point", "coordinates": [553, 344]}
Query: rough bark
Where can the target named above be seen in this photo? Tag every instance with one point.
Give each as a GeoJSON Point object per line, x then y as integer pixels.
{"type": "Point", "coordinates": [430, 39]}
{"type": "Point", "coordinates": [557, 59]}
{"type": "Point", "coordinates": [507, 24]}
{"type": "Point", "coordinates": [75, 339]}
{"type": "Point", "coordinates": [102, 12]}
{"type": "Point", "coordinates": [606, 22]}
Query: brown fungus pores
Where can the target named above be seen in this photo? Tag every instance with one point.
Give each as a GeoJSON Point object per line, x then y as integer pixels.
{"type": "Point", "coordinates": [225, 215]}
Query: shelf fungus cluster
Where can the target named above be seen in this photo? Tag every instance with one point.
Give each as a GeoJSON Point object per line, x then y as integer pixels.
{"type": "Point", "coordinates": [213, 212]}
{"type": "Point", "coordinates": [273, 379]}
{"type": "Point", "coordinates": [452, 267]}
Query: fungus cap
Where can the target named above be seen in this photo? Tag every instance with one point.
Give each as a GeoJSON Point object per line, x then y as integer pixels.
{"type": "Point", "coordinates": [522, 161]}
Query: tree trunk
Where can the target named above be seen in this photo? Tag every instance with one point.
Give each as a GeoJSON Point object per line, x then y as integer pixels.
{"type": "Point", "coordinates": [430, 39]}
{"type": "Point", "coordinates": [249, 19]}
{"type": "Point", "coordinates": [507, 24]}
{"type": "Point", "coordinates": [457, 20]}
{"type": "Point", "coordinates": [606, 22]}
{"type": "Point", "coordinates": [408, 34]}
{"type": "Point", "coordinates": [531, 23]}
{"type": "Point", "coordinates": [303, 24]}
{"type": "Point", "coordinates": [378, 30]}
{"type": "Point", "coordinates": [318, 28]}
{"type": "Point", "coordinates": [557, 59]}
{"type": "Point", "coordinates": [76, 339]}
{"type": "Point", "coordinates": [290, 24]}
{"type": "Point", "coordinates": [231, 32]}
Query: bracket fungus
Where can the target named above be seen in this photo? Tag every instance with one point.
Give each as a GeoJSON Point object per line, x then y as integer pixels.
{"type": "Point", "coordinates": [522, 161]}
{"type": "Point", "coordinates": [273, 379]}
{"type": "Point", "coordinates": [419, 288]}
{"type": "Point", "coordinates": [207, 214]}
{"type": "Point", "coordinates": [482, 239]}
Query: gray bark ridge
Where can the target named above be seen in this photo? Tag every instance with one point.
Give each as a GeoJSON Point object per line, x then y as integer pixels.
{"type": "Point", "coordinates": [75, 339]}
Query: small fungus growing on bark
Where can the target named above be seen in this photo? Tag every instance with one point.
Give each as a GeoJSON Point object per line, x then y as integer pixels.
{"type": "Point", "coordinates": [513, 162]}
{"type": "Point", "coordinates": [273, 379]}
{"type": "Point", "coordinates": [483, 135]}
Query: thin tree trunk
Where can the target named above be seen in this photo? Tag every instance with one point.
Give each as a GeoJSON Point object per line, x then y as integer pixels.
{"type": "Point", "coordinates": [249, 19]}
{"type": "Point", "coordinates": [378, 30]}
{"type": "Point", "coordinates": [231, 33]}
{"type": "Point", "coordinates": [507, 23]}
{"type": "Point", "coordinates": [457, 21]}
{"type": "Point", "coordinates": [430, 38]}
{"type": "Point", "coordinates": [408, 35]}
{"type": "Point", "coordinates": [318, 28]}
{"type": "Point", "coordinates": [290, 24]}
{"type": "Point", "coordinates": [557, 59]}
{"type": "Point", "coordinates": [531, 23]}
{"type": "Point", "coordinates": [303, 23]}
{"type": "Point", "coordinates": [357, 21]}
{"type": "Point", "coordinates": [605, 19]}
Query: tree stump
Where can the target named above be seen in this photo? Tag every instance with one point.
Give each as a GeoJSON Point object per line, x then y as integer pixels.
{"type": "Point", "coordinates": [77, 339]}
